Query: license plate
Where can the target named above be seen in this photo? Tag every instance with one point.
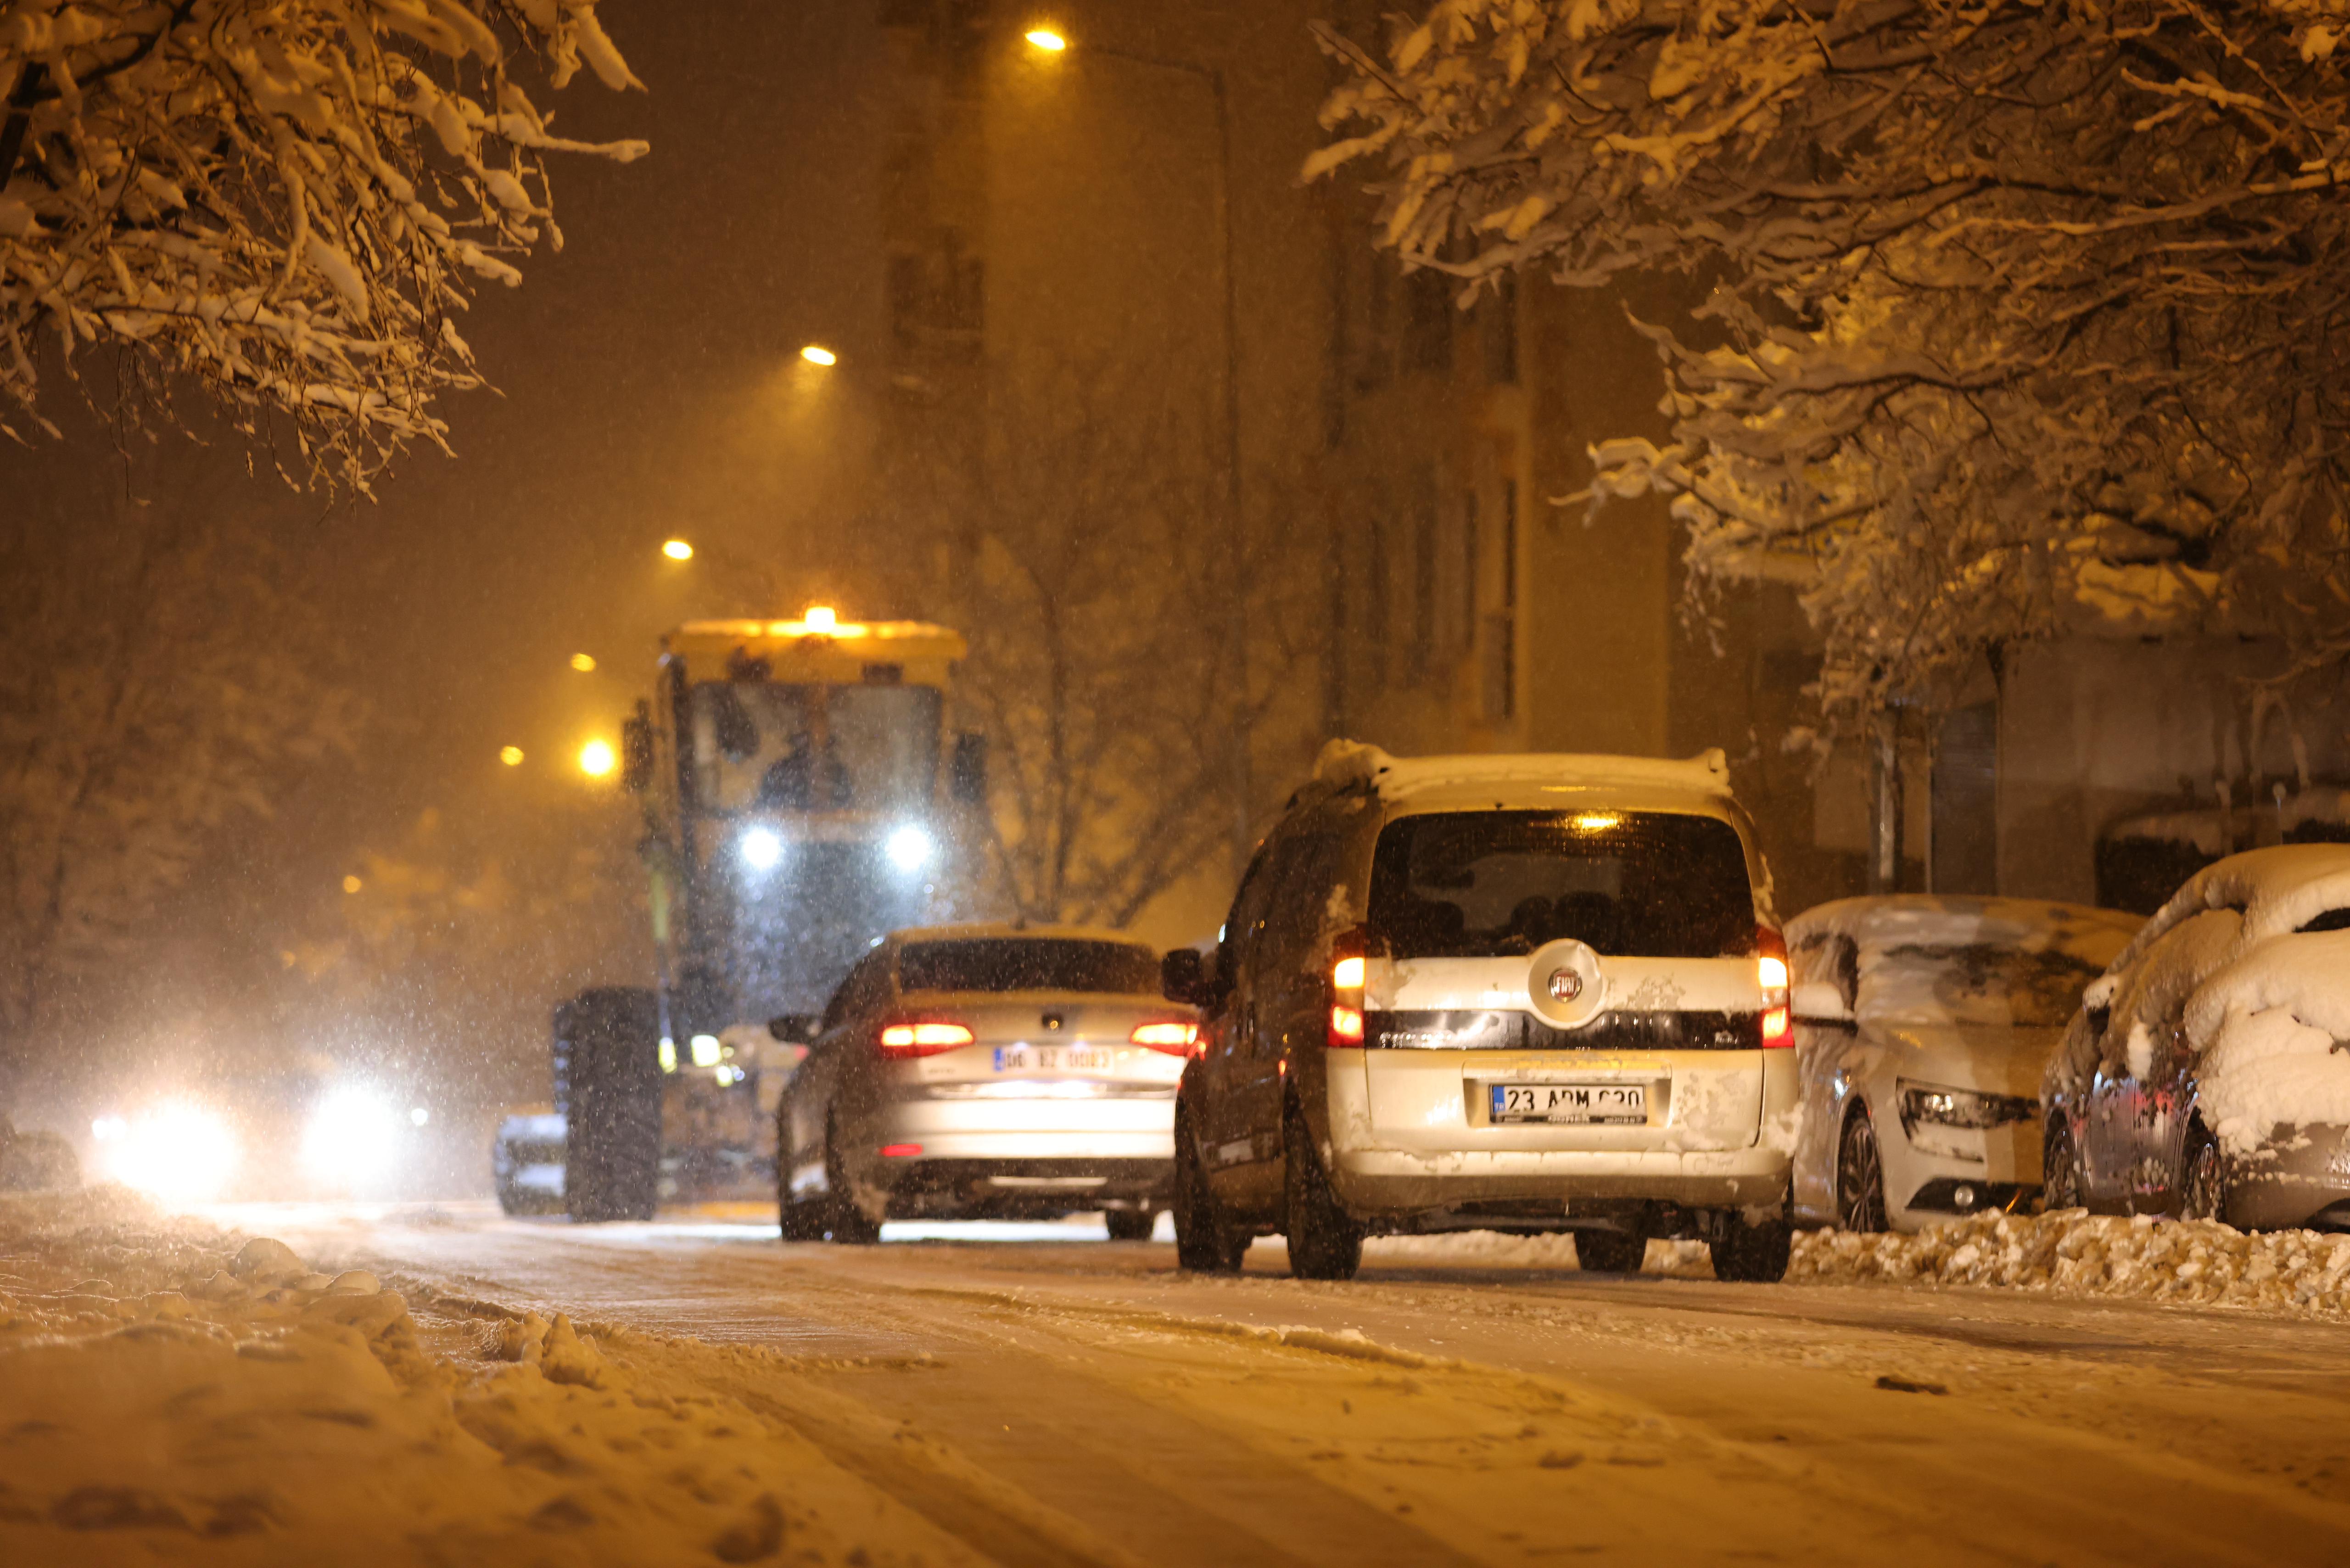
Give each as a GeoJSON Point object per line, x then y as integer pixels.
{"type": "Point", "coordinates": [1055, 1058]}
{"type": "Point", "coordinates": [1605, 1104]}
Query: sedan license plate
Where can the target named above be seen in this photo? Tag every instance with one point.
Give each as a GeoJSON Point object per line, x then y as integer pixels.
{"type": "Point", "coordinates": [1603, 1104]}
{"type": "Point", "coordinates": [1055, 1058]}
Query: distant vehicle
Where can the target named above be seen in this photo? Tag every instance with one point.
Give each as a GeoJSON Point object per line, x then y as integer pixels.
{"type": "Point", "coordinates": [1923, 1025]}
{"type": "Point", "coordinates": [980, 1072]}
{"type": "Point", "coordinates": [526, 1161]}
{"type": "Point", "coordinates": [1528, 993]}
{"type": "Point", "coordinates": [2205, 1073]}
{"type": "Point", "coordinates": [804, 792]}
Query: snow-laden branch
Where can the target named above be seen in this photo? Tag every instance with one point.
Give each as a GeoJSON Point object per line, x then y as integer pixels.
{"type": "Point", "coordinates": [2025, 311]}
{"type": "Point", "coordinates": [284, 202]}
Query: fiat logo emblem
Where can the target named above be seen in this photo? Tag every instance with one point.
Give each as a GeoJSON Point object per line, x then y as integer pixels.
{"type": "Point", "coordinates": [1565, 986]}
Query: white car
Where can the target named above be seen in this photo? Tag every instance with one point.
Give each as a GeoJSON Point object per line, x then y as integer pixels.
{"type": "Point", "coordinates": [1922, 1024]}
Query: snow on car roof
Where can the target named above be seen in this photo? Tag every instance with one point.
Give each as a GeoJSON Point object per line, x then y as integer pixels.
{"type": "Point", "coordinates": [1928, 919]}
{"type": "Point", "coordinates": [1344, 763]}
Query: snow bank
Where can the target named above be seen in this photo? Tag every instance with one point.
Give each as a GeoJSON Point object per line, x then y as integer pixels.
{"type": "Point", "coordinates": [166, 1389]}
{"type": "Point", "coordinates": [2072, 1253]}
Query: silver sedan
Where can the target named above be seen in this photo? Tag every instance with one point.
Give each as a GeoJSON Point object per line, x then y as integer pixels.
{"type": "Point", "coordinates": [984, 1072]}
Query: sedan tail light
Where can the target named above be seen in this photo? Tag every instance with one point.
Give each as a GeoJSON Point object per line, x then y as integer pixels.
{"type": "Point", "coordinates": [922, 1037]}
{"type": "Point", "coordinates": [1172, 1036]}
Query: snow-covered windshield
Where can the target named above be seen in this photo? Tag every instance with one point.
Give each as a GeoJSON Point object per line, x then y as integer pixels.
{"type": "Point", "coordinates": [1028, 963]}
{"type": "Point", "coordinates": [804, 747]}
{"type": "Point", "coordinates": [1480, 883]}
{"type": "Point", "coordinates": [1976, 982]}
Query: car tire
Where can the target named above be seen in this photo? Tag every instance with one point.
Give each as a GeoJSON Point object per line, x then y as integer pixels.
{"type": "Point", "coordinates": [1129, 1224]}
{"type": "Point", "coordinates": [1202, 1243]}
{"type": "Point", "coordinates": [844, 1221]}
{"type": "Point", "coordinates": [1324, 1241]}
{"type": "Point", "coordinates": [2060, 1170]}
{"type": "Point", "coordinates": [1756, 1254]}
{"type": "Point", "coordinates": [1610, 1252]}
{"type": "Point", "coordinates": [2202, 1179]}
{"type": "Point", "coordinates": [1860, 1177]}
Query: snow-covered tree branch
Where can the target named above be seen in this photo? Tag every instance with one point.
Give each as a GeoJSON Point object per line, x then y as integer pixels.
{"type": "Point", "coordinates": [2019, 312]}
{"type": "Point", "coordinates": [286, 203]}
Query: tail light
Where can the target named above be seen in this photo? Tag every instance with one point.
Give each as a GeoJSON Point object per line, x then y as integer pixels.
{"type": "Point", "coordinates": [1349, 967]}
{"type": "Point", "coordinates": [1771, 974]}
{"type": "Point", "coordinates": [902, 1151]}
{"type": "Point", "coordinates": [922, 1037]}
{"type": "Point", "coordinates": [1172, 1036]}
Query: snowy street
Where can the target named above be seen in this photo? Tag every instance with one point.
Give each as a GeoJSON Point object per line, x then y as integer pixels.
{"type": "Point", "coordinates": [1064, 1401]}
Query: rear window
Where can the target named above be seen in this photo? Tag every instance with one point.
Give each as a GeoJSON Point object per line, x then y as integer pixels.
{"type": "Point", "coordinates": [1028, 963]}
{"type": "Point", "coordinates": [1490, 884]}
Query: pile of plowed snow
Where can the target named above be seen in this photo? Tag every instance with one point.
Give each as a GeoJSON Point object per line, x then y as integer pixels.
{"type": "Point", "coordinates": [2074, 1253]}
{"type": "Point", "coordinates": [169, 1393]}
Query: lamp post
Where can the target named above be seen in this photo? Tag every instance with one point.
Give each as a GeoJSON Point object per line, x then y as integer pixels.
{"type": "Point", "coordinates": [1051, 43]}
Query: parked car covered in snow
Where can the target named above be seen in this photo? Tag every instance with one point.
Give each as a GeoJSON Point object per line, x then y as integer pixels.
{"type": "Point", "coordinates": [2206, 1074]}
{"type": "Point", "coordinates": [1922, 1026]}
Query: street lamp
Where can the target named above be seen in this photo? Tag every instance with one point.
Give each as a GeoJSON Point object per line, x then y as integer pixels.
{"type": "Point", "coordinates": [818, 354]}
{"type": "Point", "coordinates": [677, 550]}
{"type": "Point", "coordinates": [597, 758]}
{"type": "Point", "coordinates": [583, 662]}
{"type": "Point", "coordinates": [510, 755]}
{"type": "Point", "coordinates": [1048, 41]}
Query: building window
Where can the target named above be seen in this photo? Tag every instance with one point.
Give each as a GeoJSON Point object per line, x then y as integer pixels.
{"type": "Point", "coordinates": [1469, 562]}
{"type": "Point", "coordinates": [1500, 631]}
{"type": "Point", "coordinates": [1497, 325]}
{"type": "Point", "coordinates": [1428, 322]}
{"type": "Point", "coordinates": [1423, 570]}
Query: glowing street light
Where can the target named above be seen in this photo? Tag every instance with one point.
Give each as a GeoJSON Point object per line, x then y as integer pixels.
{"type": "Point", "coordinates": [677, 550]}
{"type": "Point", "coordinates": [816, 354]}
{"type": "Point", "coordinates": [821, 620]}
{"type": "Point", "coordinates": [1046, 40]}
{"type": "Point", "coordinates": [352, 884]}
{"type": "Point", "coordinates": [510, 755]}
{"type": "Point", "coordinates": [596, 759]}
{"type": "Point", "coordinates": [583, 662]}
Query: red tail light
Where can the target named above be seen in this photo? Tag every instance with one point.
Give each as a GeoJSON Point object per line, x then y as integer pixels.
{"type": "Point", "coordinates": [920, 1037]}
{"type": "Point", "coordinates": [1349, 968]}
{"type": "Point", "coordinates": [900, 1150]}
{"type": "Point", "coordinates": [1776, 1034]}
{"type": "Point", "coordinates": [1172, 1036]}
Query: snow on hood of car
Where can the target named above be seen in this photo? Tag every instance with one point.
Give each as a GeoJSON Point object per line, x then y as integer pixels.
{"type": "Point", "coordinates": [1926, 960]}
{"type": "Point", "coordinates": [2279, 889]}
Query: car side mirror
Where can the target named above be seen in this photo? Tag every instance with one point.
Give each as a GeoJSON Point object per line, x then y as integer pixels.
{"type": "Point", "coordinates": [1183, 976]}
{"type": "Point", "coordinates": [794, 1028]}
{"type": "Point", "coordinates": [1821, 1002]}
{"type": "Point", "coordinates": [967, 771]}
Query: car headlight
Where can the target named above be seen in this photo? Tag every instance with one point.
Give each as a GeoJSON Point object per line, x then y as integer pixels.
{"type": "Point", "coordinates": [1939, 1106]}
{"type": "Point", "coordinates": [177, 1153]}
{"type": "Point", "coordinates": [910, 848]}
{"type": "Point", "coordinates": [353, 1137]}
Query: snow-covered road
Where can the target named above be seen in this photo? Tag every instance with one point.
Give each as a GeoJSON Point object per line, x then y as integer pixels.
{"type": "Point", "coordinates": [1050, 1401]}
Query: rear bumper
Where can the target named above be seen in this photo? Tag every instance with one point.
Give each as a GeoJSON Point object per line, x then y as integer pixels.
{"type": "Point", "coordinates": [979, 1189]}
{"type": "Point", "coordinates": [1395, 1182]}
